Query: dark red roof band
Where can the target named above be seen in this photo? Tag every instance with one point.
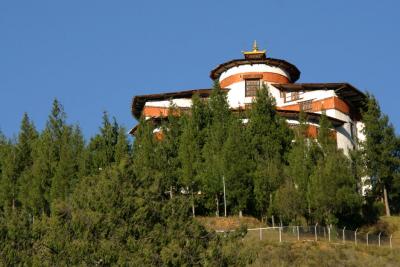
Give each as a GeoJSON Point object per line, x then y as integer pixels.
{"type": "Point", "coordinates": [288, 114]}
{"type": "Point", "coordinates": [345, 91]}
{"type": "Point", "coordinates": [138, 102]}
{"type": "Point", "coordinates": [292, 70]}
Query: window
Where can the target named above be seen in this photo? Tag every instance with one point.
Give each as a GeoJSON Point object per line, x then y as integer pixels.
{"type": "Point", "coordinates": [293, 96]}
{"type": "Point", "coordinates": [252, 86]}
{"type": "Point", "coordinates": [306, 105]}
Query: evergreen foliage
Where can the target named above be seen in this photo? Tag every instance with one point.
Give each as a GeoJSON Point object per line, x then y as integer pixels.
{"type": "Point", "coordinates": [64, 201]}
{"type": "Point", "coordinates": [268, 140]}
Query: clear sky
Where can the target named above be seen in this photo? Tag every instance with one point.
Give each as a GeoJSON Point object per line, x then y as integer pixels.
{"type": "Point", "coordinates": [96, 55]}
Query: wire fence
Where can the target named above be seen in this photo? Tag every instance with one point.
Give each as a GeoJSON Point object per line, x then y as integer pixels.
{"type": "Point", "coordinates": [321, 233]}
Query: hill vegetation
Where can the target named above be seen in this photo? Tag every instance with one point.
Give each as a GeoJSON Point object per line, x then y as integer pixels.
{"type": "Point", "coordinates": [105, 201]}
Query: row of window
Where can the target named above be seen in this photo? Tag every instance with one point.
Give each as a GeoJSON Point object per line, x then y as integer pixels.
{"type": "Point", "coordinates": [252, 85]}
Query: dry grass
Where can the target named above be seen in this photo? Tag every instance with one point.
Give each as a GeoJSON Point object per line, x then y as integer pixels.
{"type": "Point", "coordinates": [270, 252]}
{"type": "Point", "coordinates": [394, 226]}
{"type": "Point", "coordinates": [320, 254]}
{"type": "Point", "coordinates": [229, 223]}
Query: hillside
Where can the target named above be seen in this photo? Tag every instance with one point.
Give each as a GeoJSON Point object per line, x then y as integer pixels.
{"type": "Point", "coordinates": [319, 254]}
{"type": "Point", "coordinates": [269, 252]}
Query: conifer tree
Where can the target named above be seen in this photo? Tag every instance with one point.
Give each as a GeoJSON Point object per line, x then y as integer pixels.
{"type": "Point", "coordinates": [145, 160]}
{"type": "Point", "coordinates": [26, 138]}
{"type": "Point", "coordinates": [379, 150]}
{"type": "Point", "coordinates": [17, 160]}
{"type": "Point", "coordinates": [9, 176]}
{"type": "Point", "coordinates": [167, 155]}
{"type": "Point", "coordinates": [122, 147]}
{"type": "Point", "coordinates": [68, 168]}
{"type": "Point", "coordinates": [333, 187]}
{"type": "Point", "coordinates": [102, 146]}
{"type": "Point", "coordinates": [301, 161]}
{"type": "Point", "coordinates": [213, 172]}
{"type": "Point", "coordinates": [47, 152]}
{"type": "Point", "coordinates": [190, 148]}
{"type": "Point", "coordinates": [269, 138]}
{"type": "Point", "coordinates": [236, 170]}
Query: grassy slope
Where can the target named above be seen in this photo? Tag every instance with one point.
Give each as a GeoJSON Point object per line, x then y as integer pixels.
{"type": "Point", "coordinates": [394, 225]}
{"type": "Point", "coordinates": [267, 253]}
{"type": "Point", "coordinates": [319, 254]}
{"type": "Point", "coordinates": [228, 223]}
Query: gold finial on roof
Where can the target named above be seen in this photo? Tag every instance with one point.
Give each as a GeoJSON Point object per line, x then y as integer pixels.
{"type": "Point", "coordinates": [255, 54]}
{"type": "Point", "coordinates": [255, 47]}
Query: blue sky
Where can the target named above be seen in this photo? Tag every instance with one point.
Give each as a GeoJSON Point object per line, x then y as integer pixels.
{"type": "Point", "coordinates": [96, 55]}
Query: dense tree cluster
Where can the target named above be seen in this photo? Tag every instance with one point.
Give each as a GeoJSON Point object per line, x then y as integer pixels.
{"type": "Point", "coordinates": [65, 201]}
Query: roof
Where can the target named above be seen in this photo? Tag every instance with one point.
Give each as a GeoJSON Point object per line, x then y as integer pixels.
{"type": "Point", "coordinates": [345, 91]}
{"type": "Point", "coordinates": [138, 102]}
{"type": "Point", "coordinates": [291, 69]}
{"type": "Point", "coordinates": [288, 114]}
{"type": "Point", "coordinates": [311, 117]}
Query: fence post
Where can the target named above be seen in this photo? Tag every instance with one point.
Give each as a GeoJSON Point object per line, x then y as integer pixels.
{"type": "Point", "coordinates": [260, 233]}
{"type": "Point", "coordinates": [355, 236]}
{"type": "Point", "coordinates": [344, 238]}
{"type": "Point", "coordinates": [367, 239]}
{"type": "Point", "coordinates": [390, 240]}
{"type": "Point", "coordinates": [379, 238]}
{"type": "Point", "coordinates": [298, 233]}
{"type": "Point", "coordinates": [280, 234]}
{"type": "Point", "coordinates": [315, 231]}
{"type": "Point", "coordinates": [329, 233]}
{"type": "Point", "coordinates": [273, 221]}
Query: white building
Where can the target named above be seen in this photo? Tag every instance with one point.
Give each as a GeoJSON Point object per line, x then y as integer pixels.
{"type": "Point", "coordinates": [241, 78]}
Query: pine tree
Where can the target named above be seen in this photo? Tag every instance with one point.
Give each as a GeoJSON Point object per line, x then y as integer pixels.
{"type": "Point", "coordinates": [9, 175]}
{"type": "Point", "coordinates": [190, 148]}
{"type": "Point", "coordinates": [145, 160]}
{"type": "Point", "coordinates": [16, 162]}
{"type": "Point", "coordinates": [379, 150]}
{"type": "Point", "coordinates": [26, 138]}
{"type": "Point", "coordinates": [236, 170]}
{"type": "Point", "coordinates": [167, 153]}
{"type": "Point", "coordinates": [333, 187]}
{"type": "Point", "coordinates": [269, 139]}
{"type": "Point", "coordinates": [213, 172]}
{"type": "Point", "coordinates": [68, 167]}
{"type": "Point", "coordinates": [102, 146]}
{"type": "Point", "coordinates": [301, 162]}
{"type": "Point", "coordinates": [47, 152]}
{"type": "Point", "coordinates": [122, 147]}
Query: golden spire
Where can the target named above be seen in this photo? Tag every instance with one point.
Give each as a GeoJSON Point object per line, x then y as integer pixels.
{"type": "Point", "coordinates": [255, 54]}
{"type": "Point", "coordinates": [255, 47]}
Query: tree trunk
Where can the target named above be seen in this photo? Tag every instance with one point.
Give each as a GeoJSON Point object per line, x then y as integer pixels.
{"type": "Point", "coordinates": [193, 210]}
{"type": "Point", "coordinates": [170, 192]}
{"type": "Point", "coordinates": [240, 214]}
{"type": "Point", "coordinates": [386, 201]}
{"type": "Point", "coordinates": [217, 203]}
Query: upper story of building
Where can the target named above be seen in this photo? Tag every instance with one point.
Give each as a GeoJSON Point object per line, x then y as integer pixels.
{"type": "Point", "coordinates": [241, 78]}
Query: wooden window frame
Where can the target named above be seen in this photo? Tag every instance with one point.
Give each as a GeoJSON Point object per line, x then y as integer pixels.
{"type": "Point", "coordinates": [253, 91]}
{"type": "Point", "coordinates": [293, 96]}
{"type": "Point", "coordinates": [306, 105]}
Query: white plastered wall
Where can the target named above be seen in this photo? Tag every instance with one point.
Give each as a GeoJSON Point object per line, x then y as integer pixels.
{"type": "Point", "coordinates": [252, 68]}
{"type": "Point", "coordinates": [179, 102]}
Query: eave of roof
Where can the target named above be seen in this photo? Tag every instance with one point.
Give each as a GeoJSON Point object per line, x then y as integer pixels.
{"type": "Point", "coordinates": [288, 114]}
{"type": "Point", "coordinates": [138, 102]}
{"type": "Point", "coordinates": [345, 91]}
{"type": "Point", "coordinates": [311, 117]}
{"type": "Point", "coordinates": [291, 69]}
